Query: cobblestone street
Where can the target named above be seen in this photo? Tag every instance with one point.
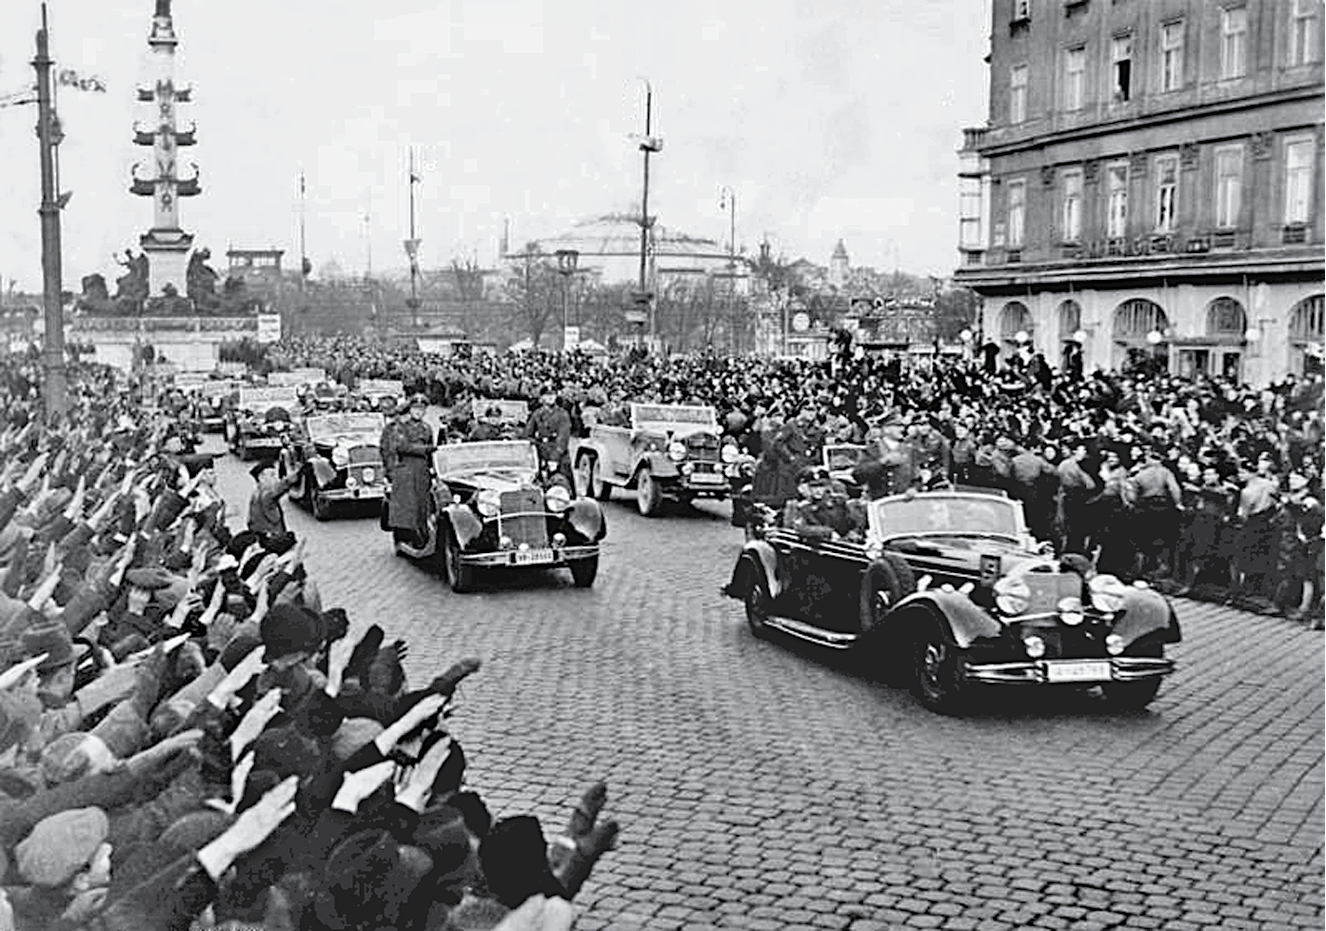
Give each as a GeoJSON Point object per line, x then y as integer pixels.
{"type": "Point", "coordinates": [764, 785]}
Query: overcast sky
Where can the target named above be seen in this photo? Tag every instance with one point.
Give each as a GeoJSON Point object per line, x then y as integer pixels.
{"type": "Point", "coordinates": [830, 119]}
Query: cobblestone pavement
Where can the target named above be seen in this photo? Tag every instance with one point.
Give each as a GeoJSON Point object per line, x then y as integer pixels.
{"type": "Point", "coordinates": [763, 785]}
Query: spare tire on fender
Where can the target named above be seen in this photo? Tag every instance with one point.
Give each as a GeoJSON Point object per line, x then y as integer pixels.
{"type": "Point", "coordinates": [886, 582]}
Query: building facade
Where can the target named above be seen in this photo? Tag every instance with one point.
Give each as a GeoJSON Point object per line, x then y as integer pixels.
{"type": "Point", "coordinates": [1148, 187]}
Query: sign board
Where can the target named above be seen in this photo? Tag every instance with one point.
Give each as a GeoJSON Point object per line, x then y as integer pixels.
{"type": "Point", "coordinates": [297, 377]}
{"type": "Point", "coordinates": [637, 317]}
{"type": "Point", "coordinates": [507, 411]}
{"type": "Point", "coordinates": [217, 389]}
{"type": "Point", "coordinates": [269, 328]}
{"type": "Point", "coordinates": [263, 399]}
{"type": "Point", "coordinates": [190, 381]}
{"type": "Point", "coordinates": [673, 417]}
{"type": "Point", "coordinates": [801, 321]}
{"type": "Point", "coordinates": [232, 369]}
{"type": "Point", "coordinates": [310, 376]}
{"type": "Point", "coordinates": [377, 388]}
{"type": "Point", "coordinates": [570, 337]}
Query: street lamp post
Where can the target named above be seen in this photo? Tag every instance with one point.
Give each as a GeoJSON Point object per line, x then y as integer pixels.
{"type": "Point", "coordinates": [649, 144]}
{"type": "Point", "coordinates": [567, 260]}
{"type": "Point", "coordinates": [52, 274]}
{"type": "Point", "coordinates": [727, 199]}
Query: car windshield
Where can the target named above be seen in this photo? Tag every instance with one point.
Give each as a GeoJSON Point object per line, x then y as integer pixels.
{"type": "Point", "coordinates": [957, 514]}
{"type": "Point", "coordinates": [673, 417]}
{"type": "Point", "coordinates": [334, 425]}
{"type": "Point", "coordinates": [472, 457]}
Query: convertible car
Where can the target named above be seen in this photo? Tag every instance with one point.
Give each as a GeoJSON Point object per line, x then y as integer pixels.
{"type": "Point", "coordinates": [338, 462]}
{"type": "Point", "coordinates": [490, 510]}
{"type": "Point", "coordinates": [953, 593]}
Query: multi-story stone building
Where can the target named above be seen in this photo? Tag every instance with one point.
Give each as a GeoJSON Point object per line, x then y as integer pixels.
{"type": "Point", "coordinates": [1149, 185]}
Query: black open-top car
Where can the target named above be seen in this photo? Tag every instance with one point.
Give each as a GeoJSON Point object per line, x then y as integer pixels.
{"type": "Point", "coordinates": [338, 461]}
{"type": "Point", "coordinates": [492, 508]}
{"type": "Point", "coordinates": [953, 593]}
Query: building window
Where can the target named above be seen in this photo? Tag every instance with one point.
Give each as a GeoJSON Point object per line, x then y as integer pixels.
{"type": "Point", "coordinates": [1233, 42]}
{"type": "Point", "coordinates": [969, 213]}
{"type": "Point", "coordinates": [1304, 24]}
{"type": "Point", "coordinates": [1298, 180]}
{"type": "Point", "coordinates": [1017, 94]}
{"type": "Point", "coordinates": [1072, 207]}
{"type": "Point", "coordinates": [1117, 188]}
{"type": "Point", "coordinates": [1225, 317]}
{"type": "Point", "coordinates": [1167, 192]}
{"type": "Point", "coordinates": [1017, 208]}
{"type": "Point", "coordinates": [1021, 10]}
{"type": "Point", "coordinates": [1229, 186]}
{"type": "Point", "coordinates": [1122, 62]}
{"type": "Point", "coordinates": [1171, 56]}
{"type": "Point", "coordinates": [1075, 78]}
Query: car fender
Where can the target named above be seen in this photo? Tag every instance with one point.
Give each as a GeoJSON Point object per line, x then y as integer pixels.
{"type": "Point", "coordinates": [464, 523]}
{"type": "Point", "coordinates": [1145, 612]}
{"type": "Point", "coordinates": [966, 621]}
{"type": "Point", "coordinates": [323, 471]}
{"type": "Point", "coordinates": [660, 466]}
{"type": "Point", "coordinates": [766, 557]}
{"type": "Point", "coordinates": [586, 518]}
{"type": "Point", "coordinates": [592, 447]}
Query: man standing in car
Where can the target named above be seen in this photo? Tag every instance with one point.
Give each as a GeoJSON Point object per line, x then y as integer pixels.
{"type": "Point", "coordinates": [411, 479]}
{"type": "Point", "coordinates": [549, 426]}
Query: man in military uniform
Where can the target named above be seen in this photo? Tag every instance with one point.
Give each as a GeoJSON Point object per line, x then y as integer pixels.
{"type": "Point", "coordinates": [549, 426]}
{"type": "Point", "coordinates": [489, 427]}
{"type": "Point", "coordinates": [411, 480]}
{"type": "Point", "coordinates": [820, 511]}
{"type": "Point", "coordinates": [389, 439]}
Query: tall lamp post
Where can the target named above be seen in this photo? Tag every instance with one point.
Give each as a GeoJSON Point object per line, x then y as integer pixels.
{"type": "Point", "coordinates": [727, 200]}
{"type": "Point", "coordinates": [649, 144]}
{"type": "Point", "coordinates": [412, 251]}
{"type": "Point", "coordinates": [48, 137]}
{"type": "Point", "coordinates": [567, 259]}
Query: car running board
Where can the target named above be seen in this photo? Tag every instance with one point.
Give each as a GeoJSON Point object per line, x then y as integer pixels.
{"type": "Point", "coordinates": [812, 634]}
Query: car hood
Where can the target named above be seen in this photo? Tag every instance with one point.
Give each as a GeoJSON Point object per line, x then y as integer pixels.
{"type": "Point", "coordinates": [328, 442]}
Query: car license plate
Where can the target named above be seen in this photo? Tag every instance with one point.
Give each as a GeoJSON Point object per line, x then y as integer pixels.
{"type": "Point", "coordinates": [707, 478]}
{"type": "Point", "coordinates": [1077, 672]}
{"type": "Point", "coordinates": [530, 557]}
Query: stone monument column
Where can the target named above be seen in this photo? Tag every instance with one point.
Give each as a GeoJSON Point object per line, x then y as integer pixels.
{"type": "Point", "coordinates": [165, 244]}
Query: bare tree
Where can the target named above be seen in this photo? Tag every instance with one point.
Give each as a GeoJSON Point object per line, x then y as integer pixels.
{"type": "Point", "coordinates": [533, 291]}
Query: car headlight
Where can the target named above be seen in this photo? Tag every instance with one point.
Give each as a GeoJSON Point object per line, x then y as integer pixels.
{"type": "Point", "coordinates": [676, 451]}
{"type": "Point", "coordinates": [489, 502]}
{"type": "Point", "coordinates": [1070, 610]}
{"type": "Point", "coordinates": [729, 453]}
{"type": "Point", "coordinates": [340, 455]}
{"type": "Point", "coordinates": [351, 482]}
{"type": "Point", "coordinates": [1035, 646]}
{"type": "Point", "coordinates": [557, 499]}
{"type": "Point", "coordinates": [687, 468]}
{"type": "Point", "coordinates": [1012, 595]}
{"type": "Point", "coordinates": [369, 475]}
{"type": "Point", "coordinates": [1113, 644]}
{"type": "Point", "coordinates": [1108, 593]}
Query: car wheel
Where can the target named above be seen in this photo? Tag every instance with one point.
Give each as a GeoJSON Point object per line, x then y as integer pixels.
{"type": "Point", "coordinates": [1130, 696]}
{"type": "Point", "coordinates": [648, 496]}
{"type": "Point", "coordinates": [938, 682]}
{"type": "Point", "coordinates": [459, 576]}
{"type": "Point", "coordinates": [584, 571]}
{"type": "Point", "coordinates": [322, 507]}
{"type": "Point", "coordinates": [600, 489]}
{"type": "Point", "coordinates": [758, 604]}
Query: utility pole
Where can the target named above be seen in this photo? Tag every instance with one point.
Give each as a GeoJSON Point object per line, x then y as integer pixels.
{"type": "Point", "coordinates": [56, 393]}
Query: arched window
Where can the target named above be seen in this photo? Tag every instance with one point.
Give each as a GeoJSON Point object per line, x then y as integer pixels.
{"type": "Point", "coordinates": [1134, 319]}
{"type": "Point", "coordinates": [1015, 318]}
{"type": "Point", "coordinates": [1305, 320]}
{"type": "Point", "coordinates": [1225, 317]}
{"type": "Point", "coordinates": [1070, 319]}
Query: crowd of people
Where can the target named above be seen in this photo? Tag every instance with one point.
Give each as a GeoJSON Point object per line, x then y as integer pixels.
{"type": "Point", "coordinates": [1205, 487]}
{"type": "Point", "coordinates": [189, 737]}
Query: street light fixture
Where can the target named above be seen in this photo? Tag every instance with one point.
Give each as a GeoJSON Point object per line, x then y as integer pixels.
{"type": "Point", "coordinates": [648, 144]}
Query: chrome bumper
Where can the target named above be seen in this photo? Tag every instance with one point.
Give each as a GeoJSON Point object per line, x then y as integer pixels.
{"type": "Point", "coordinates": [1036, 672]}
{"type": "Point", "coordinates": [557, 558]}
{"type": "Point", "coordinates": [362, 493]}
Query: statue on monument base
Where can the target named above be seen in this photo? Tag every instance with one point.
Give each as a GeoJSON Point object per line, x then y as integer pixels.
{"type": "Point", "coordinates": [131, 288]}
{"type": "Point", "coordinates": [201, 280]}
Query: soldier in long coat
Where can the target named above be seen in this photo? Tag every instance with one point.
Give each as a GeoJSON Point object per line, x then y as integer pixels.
{"type": "Point", "coordinates": [411, 480]}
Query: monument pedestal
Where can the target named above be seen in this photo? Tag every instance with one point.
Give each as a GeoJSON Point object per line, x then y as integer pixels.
{"type": "Point", "coordinates": [167, 260]}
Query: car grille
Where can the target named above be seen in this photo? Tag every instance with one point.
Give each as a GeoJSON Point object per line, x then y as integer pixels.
{"type": "Point", "coordinates": [365, 454]}
{"type": "Point", "coordinates": [523, 517]}
{"type": "Point", "coordinates": [702, 446]}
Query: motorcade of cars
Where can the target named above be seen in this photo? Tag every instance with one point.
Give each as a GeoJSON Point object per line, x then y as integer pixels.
{"type": "Point", "coordinates": [949, 592]}
{"type": "Point", "coordinates": [338, 459]}
{"type": "Point", "coordinates": [491, 509]}
{"type": "Point", "coordinates": [374, 390]}
{"type": "Point", "coordinates": [260, 423]}
{"type": "Point", "coordinates": [669, 451]}
{"type": "Point", "coordinates": [214, 399]}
